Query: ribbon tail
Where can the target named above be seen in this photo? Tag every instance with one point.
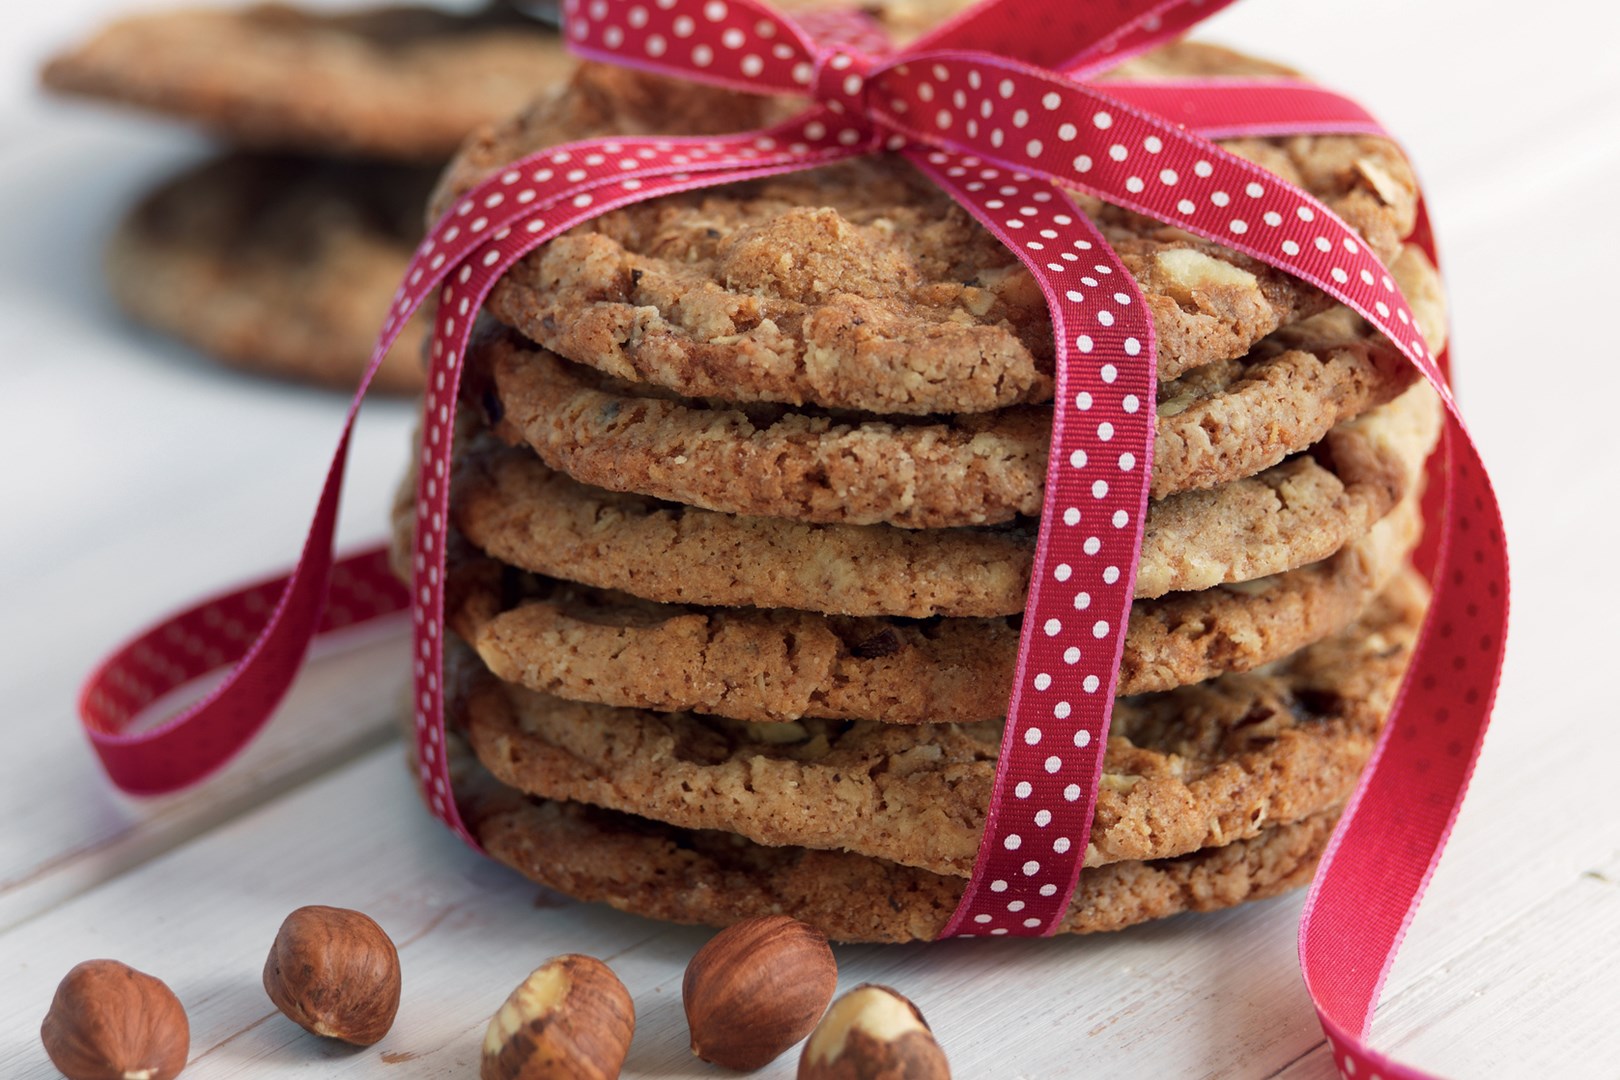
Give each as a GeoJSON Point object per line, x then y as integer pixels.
{"type": "Point", "coordinates": [1391, 835]}
{"type": "Point", "coordinates": [264, 630]}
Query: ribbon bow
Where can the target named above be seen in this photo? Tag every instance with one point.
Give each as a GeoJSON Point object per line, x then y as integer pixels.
{"type": "Point", "coordinates": [993, 106]}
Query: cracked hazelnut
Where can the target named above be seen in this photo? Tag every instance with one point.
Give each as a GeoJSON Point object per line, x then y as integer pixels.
{"type": "Point", "coordinates": [336, 973]}
{"type": "Point", "coordinates": [111, 1022]}
{"type": "Point", "coordinates": [571, 1019]}
{"type": "Point", "coordinates": [873, 1032]}
{"type": "Point", "coordinates": [756, 989]}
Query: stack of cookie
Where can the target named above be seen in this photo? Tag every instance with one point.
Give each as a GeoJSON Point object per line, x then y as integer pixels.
{"type": "Point", "coordinates": [746, 489]}
{"type": "Point", "coordinates": [282, 255]}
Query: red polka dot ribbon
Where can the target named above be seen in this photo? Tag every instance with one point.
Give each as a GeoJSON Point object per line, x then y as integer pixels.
{"type": "Point", "coordinates": [993, 107]}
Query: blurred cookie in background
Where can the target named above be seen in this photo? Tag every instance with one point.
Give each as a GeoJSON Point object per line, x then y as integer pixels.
{"type": "Point", "coordinates": [281, 256]}
{"type": "Point", "coordinates": [400, 83]}
{"type": "Point", "coordinates": [281, 265]}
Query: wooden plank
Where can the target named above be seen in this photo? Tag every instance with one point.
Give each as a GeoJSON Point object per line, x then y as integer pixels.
{"type": "Point", "coordinates": [1535, 995]}
{"type": "Point", "coordinates": [76, 833]}
{"type": "Point", "coordinates": [1212, 995]}
{"type": "Point", "coordinates": [142, 478]}
{"type": "Point", "coordinates": [1548, 972]}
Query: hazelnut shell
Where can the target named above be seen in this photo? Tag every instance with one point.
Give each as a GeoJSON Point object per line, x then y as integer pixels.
{"type": "Point", "coordinates": [334, 972]}
{"type": "Point", "coordinates": [873, 1033]}
{"type": "Point", "coordinates": [757, 988]}
{"type": "Point", "coordinates": [109, 1021]}
{"type": "Point", "coordinates": [571, 1019]}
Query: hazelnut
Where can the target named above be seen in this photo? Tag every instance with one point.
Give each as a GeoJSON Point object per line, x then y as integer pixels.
{"type": "Point", "coordinates": [111, 1022]}
{"type": "Point", "coordinates": [756, 989]}
{"type": "Point", "coordinates": [336, 973]}
{"type": "Point", "coordinates": [873, 1032]}
{"type": "Point", "coordinates": [1187, 271]}
{"type": "Point", "coordinates": [571, 1019]}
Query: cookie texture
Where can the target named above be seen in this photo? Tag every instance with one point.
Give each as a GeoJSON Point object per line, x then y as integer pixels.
{"type": "Point", "coordinates": [861, 285]}
{"type": "Point", "coordinates": [276, 264]}
{"type": "Point", "coordinates": [1234, 418]}
{"type": "Point", "coordinates": [811, 465]}
{"type": "Point", "coordinates": [716, 879]}
{"type": "Point", "coordinates": [1295, 513]}
{"type": "Point", "coordinates": [397, 83]}
{"type": "Point", "coordinates": [525, 514]}
{"type": "Point", "coordinates": [1186, 637]}
{"type": "Point", "coordinates": [1195, 767]}
{"type": "Point", "coordinates": [1220, 423]}
{"type": "Point", "coordinates": [775, 665]}
{"type": "Point", "coordinates": [929, 476]}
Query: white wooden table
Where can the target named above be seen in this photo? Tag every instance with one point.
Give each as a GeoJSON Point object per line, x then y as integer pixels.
{"type": "Point", "coordinates": [136, 476]}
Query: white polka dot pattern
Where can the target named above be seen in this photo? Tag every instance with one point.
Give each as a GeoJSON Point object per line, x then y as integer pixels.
{"type": "Point", "coordinates": [1062, 696]}
{"type": "Point", "coordinates": [482, 251]}
{"type": "Point", "coordinates": [733, 43]}
{"type": "Point", "coordinates": [1153, 167]}
{"type": "Point", "coordinates": [999, 136]}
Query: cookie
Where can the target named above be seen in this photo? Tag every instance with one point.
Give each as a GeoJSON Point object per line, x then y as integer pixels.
{"type": "Point", "coordinates": [862, 285]}
{"type": "Point", "coordinates": [1295, 513]}
{"type": "Point", "coordinates": [525, 514]}
{"type": "Point", "coordinates": [1195, 767]}
{"type": "Point", "coordinates": [1219, 423]}
{"type": "Point", "coordinates": [775, 665]}
{"type": "Point", "coordinates": [1234, 418]}
{"type": "Point", "coordinates": [970, 471]}
{"type": "Point", "coordinates": [280, 265]}
{"type": "Point", "coordinates": [716, 879]}
{"type": "Point", "coordinates": [398, 83]}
